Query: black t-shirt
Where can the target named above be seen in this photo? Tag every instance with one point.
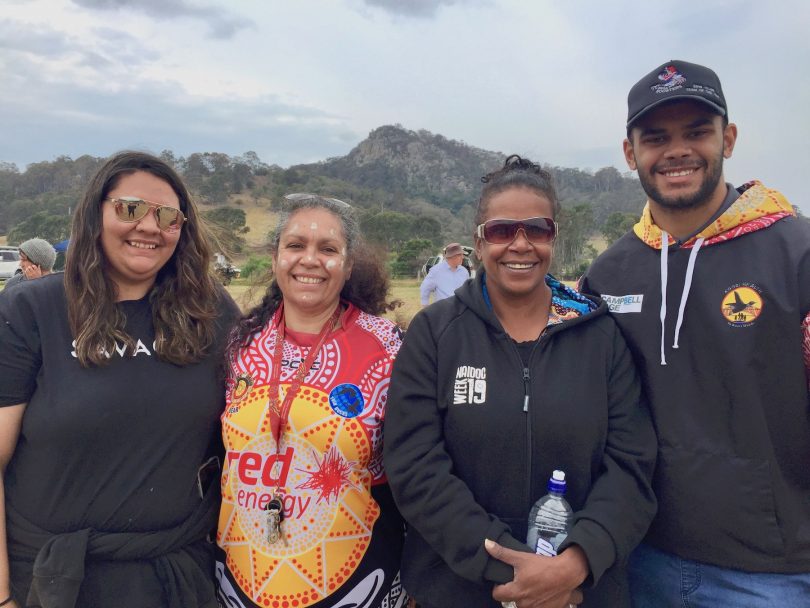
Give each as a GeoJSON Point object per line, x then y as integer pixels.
{"type": "Point", "coordinates": [114, 448]}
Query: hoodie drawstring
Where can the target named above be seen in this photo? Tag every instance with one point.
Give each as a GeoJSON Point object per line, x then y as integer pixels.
{"type": "Point", "coordinates": [687, 286]}
{"type": "Point", "coordinates": [690, 270]}
{"type": "Point", "coordinates": [663, 314]}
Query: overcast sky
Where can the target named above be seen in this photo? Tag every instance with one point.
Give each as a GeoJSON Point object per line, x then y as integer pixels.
{"type": "Point", "coordinates": [300, 80]}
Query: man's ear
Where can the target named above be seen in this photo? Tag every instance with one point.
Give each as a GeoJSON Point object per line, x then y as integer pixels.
{"type": "Point", "coordinates": [729, 139]}
{"type": "Point", "coordinates": [629, 154]}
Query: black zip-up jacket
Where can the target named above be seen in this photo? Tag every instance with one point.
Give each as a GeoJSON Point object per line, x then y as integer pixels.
{"type": "Point", "coordinates": [731, 404]}
{"type": "Point", "coordinates": [472, 436]}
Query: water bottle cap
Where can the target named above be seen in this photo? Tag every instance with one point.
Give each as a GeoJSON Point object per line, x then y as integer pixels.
{"type": "Point", "coordinates": [556, 482]}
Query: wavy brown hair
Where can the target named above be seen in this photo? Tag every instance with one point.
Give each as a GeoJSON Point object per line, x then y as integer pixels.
{"type": "Point", "coordinates": [184, 298]}
{"type": "Point", "coordinates": [367, 287]}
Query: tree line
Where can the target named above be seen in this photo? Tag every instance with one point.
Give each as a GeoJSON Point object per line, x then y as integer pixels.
{"type": "Point", "coordinates": [408, 225]}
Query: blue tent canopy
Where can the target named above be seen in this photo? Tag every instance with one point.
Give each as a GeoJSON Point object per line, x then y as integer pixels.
{"type": "Point", "coordinates": [62, 246]}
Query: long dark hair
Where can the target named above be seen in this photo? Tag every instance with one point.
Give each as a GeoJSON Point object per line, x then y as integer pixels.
{"type": "Point", "coordinates": [517, 172]}
{"type": "Point", "coordinates": [184, 297]}
{"type": "Point", "coordinates": [366, 288]}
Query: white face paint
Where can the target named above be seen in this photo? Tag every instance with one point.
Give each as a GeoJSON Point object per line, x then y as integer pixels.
{"type": "Point", "coordinates": [313, 226]}
{"type": "Point", "coordinates": [331, 264]}
{"type": "Point", "coordinates": [332, 232]}
{"type": "Point", "coordinates": [284, 262]}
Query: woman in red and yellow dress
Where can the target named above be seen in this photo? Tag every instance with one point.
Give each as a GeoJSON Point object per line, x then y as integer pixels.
{"type": "Point", "coordinates": [307, 518]}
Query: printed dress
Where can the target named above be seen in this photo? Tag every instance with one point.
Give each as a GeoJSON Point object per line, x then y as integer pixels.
{"type": "Point", "coordinates": [343, 533]}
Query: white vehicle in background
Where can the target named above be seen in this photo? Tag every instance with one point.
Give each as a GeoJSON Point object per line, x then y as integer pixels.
{"type": "Point", "coordinates": [224, 269]}
{"type": "Point", "coordinates": [433, 260]}
{"type": "Point", "coordinates": [9, 261]}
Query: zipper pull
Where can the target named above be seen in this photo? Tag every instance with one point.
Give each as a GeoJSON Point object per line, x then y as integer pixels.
{"type": "Point", "coordinates": [525, 389]}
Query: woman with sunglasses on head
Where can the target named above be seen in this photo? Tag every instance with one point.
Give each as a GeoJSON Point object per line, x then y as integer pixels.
{"type": "Point", "coordinates": [493, 389]}
{"type": "Point", "coordinates": [307, 518]}
{"type": "Point", "coordinates": [111, 380]}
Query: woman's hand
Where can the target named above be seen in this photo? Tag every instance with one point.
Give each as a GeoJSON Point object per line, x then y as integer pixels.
{"type": "Point", "coordinates": [541, 582]}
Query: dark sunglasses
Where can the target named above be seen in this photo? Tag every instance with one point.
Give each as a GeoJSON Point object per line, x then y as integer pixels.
{"type": "Point", "coordinates": [133, 209]}
{"type": "Point", "coordinates": [538, 230]}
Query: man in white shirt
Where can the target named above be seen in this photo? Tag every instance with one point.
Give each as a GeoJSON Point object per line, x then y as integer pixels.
{"type": "Point", "coordinates": [445, 277]}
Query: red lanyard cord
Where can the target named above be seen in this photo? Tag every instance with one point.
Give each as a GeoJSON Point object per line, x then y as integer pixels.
{"type": "Point", "coordinates": [278, 416]}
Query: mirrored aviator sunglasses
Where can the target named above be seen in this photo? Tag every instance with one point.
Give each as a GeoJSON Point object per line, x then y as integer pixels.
{"type": "Point", "coordinates": [538, 230]}
{"type": "Point", "coordinates": [132, 209]}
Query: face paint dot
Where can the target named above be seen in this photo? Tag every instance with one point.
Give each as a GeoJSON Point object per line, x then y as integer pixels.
{"type": "Point", "coordinates": [283, 263]}
{"type": "Point", "coordinates": [332, 232]}
{"type": "Point", "coordinates": [313, 226]}
{"type": "Point", "coordinates": [331, 264]}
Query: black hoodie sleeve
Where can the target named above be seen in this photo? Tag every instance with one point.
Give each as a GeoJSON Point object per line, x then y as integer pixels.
{"type": "Point", "coordinates": [621, 503]}
{"type": "Point", "coordinates": [433, 500]}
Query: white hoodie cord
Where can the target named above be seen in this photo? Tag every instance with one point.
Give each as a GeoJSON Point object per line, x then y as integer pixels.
{"type": "Point", "coordinates": [690, 269]}
{"type": "Point", "coordinates": [663, 313]}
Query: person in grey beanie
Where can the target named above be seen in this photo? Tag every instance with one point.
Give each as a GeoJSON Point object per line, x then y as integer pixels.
{"type": "Point", "coordinates": [37, 257]}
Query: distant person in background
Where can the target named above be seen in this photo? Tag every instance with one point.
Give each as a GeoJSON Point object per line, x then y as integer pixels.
{"type": "Point", "coordinates": [445, 277]}
{"type": "Point", "coordinates": [37, 257]}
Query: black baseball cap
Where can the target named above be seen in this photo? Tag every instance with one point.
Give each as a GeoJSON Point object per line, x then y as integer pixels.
{"type": "Point", "coordinates": [675, 80]}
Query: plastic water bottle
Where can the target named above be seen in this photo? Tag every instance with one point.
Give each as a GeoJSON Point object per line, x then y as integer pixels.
{"type": "Point", "coordinates": [550, 518]}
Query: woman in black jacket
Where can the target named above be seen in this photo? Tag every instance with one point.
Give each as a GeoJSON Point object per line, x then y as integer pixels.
{"type": "Point", "coordinates": [493, 389]}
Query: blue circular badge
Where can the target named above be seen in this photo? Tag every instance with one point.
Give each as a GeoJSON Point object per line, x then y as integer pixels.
{"type": "Point", "coordinates": [346, 400]}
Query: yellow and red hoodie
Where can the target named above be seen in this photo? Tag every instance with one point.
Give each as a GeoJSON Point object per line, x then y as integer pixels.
{"type": "Point", "coordinates": [726, 375]}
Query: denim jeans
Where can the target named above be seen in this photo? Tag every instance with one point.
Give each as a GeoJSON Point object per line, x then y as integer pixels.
{"type": "Point", "coordinates": [664, 580]}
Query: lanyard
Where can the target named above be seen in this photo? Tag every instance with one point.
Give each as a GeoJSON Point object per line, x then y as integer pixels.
{"type": "Point", "coordinates": [278, 416]}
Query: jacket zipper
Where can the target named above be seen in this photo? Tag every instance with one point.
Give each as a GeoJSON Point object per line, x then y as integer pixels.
{"type": "Point", "coordinates": [526, 379]}
{"type": "Point", "coordinates": [526, 399]}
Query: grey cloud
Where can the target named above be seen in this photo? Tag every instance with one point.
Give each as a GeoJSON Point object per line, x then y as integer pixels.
{"type": "Point", "coordinates": [16, 36]}
{"type": "Point", "coordinates": [420, 8]}
{"type": "Point", "coordinates": [82, 120]}
{"type": "Point", "coordinates": [102, 50]}
{"type": "Point", "coordinates": [221, 22]}
{"type": "Point", "coordinates": [413, 8]}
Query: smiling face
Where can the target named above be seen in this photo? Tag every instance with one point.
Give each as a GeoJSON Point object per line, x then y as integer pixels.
{"type": "Point", "coordinates": [678, 150]}
{"type": "Point", "coordinates": [310, 264]}
{"type": "Point", "coordinates": [136, 251]}
{"type": "Point", "coordinates": [517, 270]}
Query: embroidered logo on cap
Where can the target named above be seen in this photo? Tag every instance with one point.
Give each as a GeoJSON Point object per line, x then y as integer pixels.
{"type": "Point", "coordinates": [670, 78]}
{"type": "Point", "coordinates": [742, 304]}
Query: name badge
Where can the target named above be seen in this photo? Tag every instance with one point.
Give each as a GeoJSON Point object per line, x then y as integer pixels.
{"type": "Point", "coordinates": [622, 304]}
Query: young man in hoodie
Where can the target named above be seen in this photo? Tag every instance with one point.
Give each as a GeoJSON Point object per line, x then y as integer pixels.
{"type": "Point", "coordinates": [712, 291]}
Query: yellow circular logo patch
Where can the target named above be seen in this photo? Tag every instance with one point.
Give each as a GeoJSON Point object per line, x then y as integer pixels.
{"type": "Point", "coordinates": [742, 304]}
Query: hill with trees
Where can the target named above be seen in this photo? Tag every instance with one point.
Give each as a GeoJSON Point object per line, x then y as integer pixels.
{"type": "Point", "coordinates": [414, 191]}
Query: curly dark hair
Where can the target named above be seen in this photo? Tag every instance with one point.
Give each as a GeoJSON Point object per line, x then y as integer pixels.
{"type": "Point", "coordinates": [367, 287]}
{"type": "Point", "coordinates": [517, 172]}
{"type": "Point", "coordinates": [184, 297]}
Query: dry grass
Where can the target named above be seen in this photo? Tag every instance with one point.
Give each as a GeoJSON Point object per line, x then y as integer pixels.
{"type": "Point", "coordinates": [407, 290]}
